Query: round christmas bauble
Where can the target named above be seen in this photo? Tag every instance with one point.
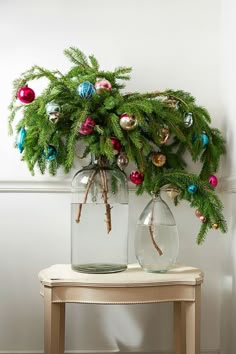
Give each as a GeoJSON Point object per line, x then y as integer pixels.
{"type": "Point", "coordinates": [26, 94]}
{"type": "Point", "coordinates": [198, 213]}
{"type": "Point", "coordinates": [116, 145]}
{"type": "Point", "coordinates": [172, 192]}
{"type": "Point", "coordinates": [86, 89]}
{"type": "Point", "coordinates": [202, 218]}
{"type": "Point", "coordinates": [215, 226]}
{"type": "Point", "coordinates": [128, 122]}
{"type": "Point", "coordinates": [122, 160]}
{"type": "Point", "coordinates": [53, 111]}
{"type": "Point", "coordinates": [192, 188]}
{"type": "Point", "coordinates": [213, 180]}
{"type": "Point", "coordinates": [21, 139]}
{"type": "Point", "coordinates": [87, 127]}
{"type": "Point", "coordinates": [204, 139]}
{"type": "Point", "coordinates": [102, 84]}
{"type": "Point", "coordinates": [50, 153]}
{"type": "Point", "coordinates": [164, 135]}
{"type": "Point", "coordinates": [188, 119]}
{"type": "Point", "coordinates": [136, 177]}
{"type": "Point", "coordinates": [158, 159]}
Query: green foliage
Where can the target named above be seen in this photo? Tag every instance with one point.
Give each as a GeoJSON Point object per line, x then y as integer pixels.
{"type": "Point", "coordinates": [153, 111]}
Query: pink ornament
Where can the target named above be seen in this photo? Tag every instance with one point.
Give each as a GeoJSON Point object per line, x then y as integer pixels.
{"type": "Point", "coordinates": [87, 126]}
{"type": "Point", "coordinates": [102, 84]}
{"type": "Point", "coordinates": [26, 94]}
{"type": "Point", "coordinates": [202, 218]}
{"type": "Point", "coordinates": [198, 213]}
{"type": "Point", "coordinates": [136, 177]}
{"type": "Point", "coordinates": [213, 180]}
{"type": "Point", "coordinates": [116, 145]}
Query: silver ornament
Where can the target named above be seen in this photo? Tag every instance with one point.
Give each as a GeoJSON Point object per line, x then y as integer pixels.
{"type": "Point", "coordinates": [53, 111]}
{"type": "Point", "coordinates": [128, 122]}
{"type": "Point", "coordinates": [188, 119]}
{"type": "Point", "coordinates": [122, 161]}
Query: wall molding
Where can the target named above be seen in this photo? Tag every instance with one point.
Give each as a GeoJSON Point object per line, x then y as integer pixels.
{"type": "Point", "coordinates": [104, 352]}
{"type": "Point", "coordinates": [226, 185]}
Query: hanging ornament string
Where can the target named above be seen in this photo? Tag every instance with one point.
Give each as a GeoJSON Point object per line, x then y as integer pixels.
{"type": "Point", "coordinates": [150, 228]}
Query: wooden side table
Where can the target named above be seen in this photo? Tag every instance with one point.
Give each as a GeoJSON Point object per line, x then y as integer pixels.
{"type": "Point", "coordinates": [182, 285]}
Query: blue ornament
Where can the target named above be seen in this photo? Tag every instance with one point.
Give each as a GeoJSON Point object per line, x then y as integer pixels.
{"type": "Point", "coordinates": [50, 153]}
{"type": "Point", "coordinates": [21, 139]}
{"type": "Point", "coordinates": [192, 188]}
{"type": "Point", "coordinates": [204, 139]}
{"type": "Point", "coordinates": [86, 89]}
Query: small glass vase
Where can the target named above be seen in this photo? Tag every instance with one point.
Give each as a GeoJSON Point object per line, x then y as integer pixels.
{"type": "Point", "coordinates": [99, 219]}
{"type": "Point", "coordinates": [156, 239]}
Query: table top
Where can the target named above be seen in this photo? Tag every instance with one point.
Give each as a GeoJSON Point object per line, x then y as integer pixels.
{"type": "Point", "coordinates": [134, 276]}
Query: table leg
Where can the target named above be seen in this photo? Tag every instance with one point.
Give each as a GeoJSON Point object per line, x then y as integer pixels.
{"type": "Point", "coordinates": [54, 324]}
{"type": "Point", "coordinates": [193, 323]}
{"type": "Point", "coordinates": [179, 328]}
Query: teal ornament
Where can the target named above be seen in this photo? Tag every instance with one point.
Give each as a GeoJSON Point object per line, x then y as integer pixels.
{"type": "Point", "coordinates": [86, 90]}
{"type": "Point", "coordinates": [204, 139]}
{"type": "Point", "coordinates": [21, 139]}
{"type": "Point", "coordinates": [192, 188]}
{"type": "Point", "coordinates": [188, 119]}
{"type": "Point", "coordinates": [50, 153]}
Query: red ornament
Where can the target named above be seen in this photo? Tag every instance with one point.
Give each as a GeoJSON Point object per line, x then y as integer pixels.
{"type": "Point", "coordinates": [213, 180]}
{"type": "Point", "coordinates": [87, 126]}
{"type": "Point", "coordinates": [102, 84]}
{"type": "Point", "coordinates": [26, 94]}
{"type": "Point", "coordinates": [116, 145]}
{"type": "Point", "coordinates": [202, 218]}
{"type": "Point", "coordinates": [136, 177]}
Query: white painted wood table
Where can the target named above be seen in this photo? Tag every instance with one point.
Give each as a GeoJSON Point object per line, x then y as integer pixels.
{"type": "Point", "coordinates": [181, 285]}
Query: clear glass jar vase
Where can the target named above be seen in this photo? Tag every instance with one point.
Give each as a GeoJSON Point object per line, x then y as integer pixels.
{"type": "Point", "coordinates": [99, 219]}
{"type": "Point", "coordinates": [156, 239]}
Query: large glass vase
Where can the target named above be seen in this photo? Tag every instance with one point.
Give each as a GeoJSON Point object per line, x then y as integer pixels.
{"type": "Point", "coordinates": [156, 239]}
{"type": "Point", "coordinates": [99, 219]}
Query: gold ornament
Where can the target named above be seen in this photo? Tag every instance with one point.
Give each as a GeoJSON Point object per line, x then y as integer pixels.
{"type": "Point", "coordinates": [215, 226]}
{"type": "Point", "coordinates": [164, 135]}
{"type": "Point", "coordinates": [158, 159]}
{"type": "Point", "coordinates": [172, 191]}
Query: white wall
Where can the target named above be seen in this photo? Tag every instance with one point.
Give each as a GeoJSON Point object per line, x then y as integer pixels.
{"type": "Point", "coordinates": [169, 44]}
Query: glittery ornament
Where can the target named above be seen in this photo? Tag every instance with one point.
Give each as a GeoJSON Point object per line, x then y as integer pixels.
{"type": "Point", "coordinates": [102, 84]}
{"type": "Point", "coordinates": [21, 139]}
{"type": "Point", "coordinates": [164, 135]}
{"type": "Point", "coordinates": [26, 94]}
{"type": "Point", "coordinates": [158, 159]}
{"type": "Point", "coordinates": [128, 122]}
{"type": "Point", "coordinates": [215, 226]}
{"type": "Point", "coordinates": [87, 127]}
{"type": "Point", "coordinates": [198, 213]}
{"type": "Point", "coordinates": [86, 89]}
{"type": "Point", "coordinates": [116, 145]}
{"type": "Point", "coordinates": [213, 180]}
{"type": "Point", "coordinates": [172, 191]}
{"type": "Point", "coordinates": [171, 102]}
{"type": "Point", "coordinates": [136, 177]}
{"type": "Point", "coordinates": [50, 153]}
{"type": "Point", "coordinates": [204, 139]}
{"type": "Point", "coordinates": [202, 218]}
{"type": "Point", "coordinates": [122, 161]}
{"type": "Point", "coordinates": [192, 188]}
{"type": "Point", "coordinates": [53, 111]}
{"type": "Point", "coordinates": [188, 119]}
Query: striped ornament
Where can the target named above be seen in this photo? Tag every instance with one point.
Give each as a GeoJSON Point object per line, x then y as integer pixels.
{"type": "Point", "coordinates": [86, 89]}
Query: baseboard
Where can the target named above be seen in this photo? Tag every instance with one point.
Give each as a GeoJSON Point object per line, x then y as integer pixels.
{"type": "Point", "coordinates": [106, 352]}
